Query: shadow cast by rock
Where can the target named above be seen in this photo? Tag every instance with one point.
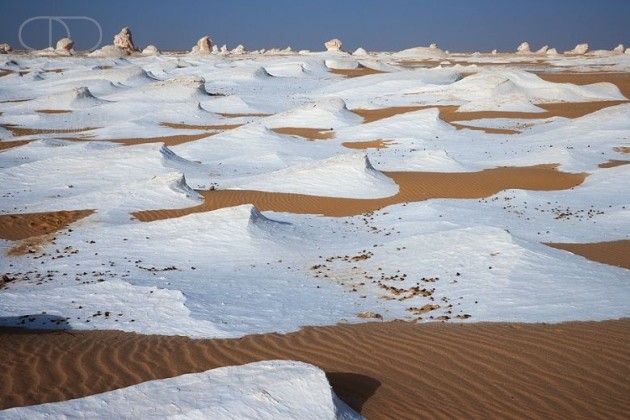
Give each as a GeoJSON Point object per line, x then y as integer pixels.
{"type": "Point", "coordinates": [41, 321]}
{"type": "Point", "coordinates": [353, 388]}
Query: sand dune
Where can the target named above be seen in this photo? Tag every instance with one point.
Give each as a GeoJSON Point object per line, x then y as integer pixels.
{"type": "Point", "coordinates": [370, 144]}
{"type": "Point", "coordinates": [383, 370]}
{"type": "Point", "coordinates": [414, 186]}
{"type": "Point", "coordinates": [622, 80]}
{"type": "Point", "coordinates": [613, 163]}
{"type": "Point", "coordinates": [12, 143]}
{"type": "Point", "coordinates": [21, 226]}
{"type": "Point", "coordinates": [358, 72]}
{"type": "Point", "coordinates": [612, 253]}
{"type": "Point", "coordinates": [450, 114]}
{"type": "Point", "coordinates": [309, 133]}
{"type": "Point", "coordinates": [18, 131]}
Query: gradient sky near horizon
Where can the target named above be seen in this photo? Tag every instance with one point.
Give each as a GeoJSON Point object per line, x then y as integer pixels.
{"type": "Point", "coordinates": [377, 25]}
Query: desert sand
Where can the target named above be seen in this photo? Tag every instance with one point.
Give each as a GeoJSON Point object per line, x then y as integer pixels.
{"type": "Point", "coordinates": [382, 370]}
{"type": "Point", "coordinates": [392, 369]}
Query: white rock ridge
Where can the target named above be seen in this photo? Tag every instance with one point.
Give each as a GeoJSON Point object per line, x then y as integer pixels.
{"type": "Point", "coordinates": [333, 45]}
{"type": "Point", "coordinates": [123, 41]}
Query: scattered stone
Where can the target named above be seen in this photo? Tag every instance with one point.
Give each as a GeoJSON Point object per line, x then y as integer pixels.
{"type": "Point", "coordinates": [370, 315]}
{"type": "Point", "coordinates": [333, 45]}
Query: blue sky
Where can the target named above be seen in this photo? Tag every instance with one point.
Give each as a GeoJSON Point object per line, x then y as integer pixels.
{"type": "Point", "coordinates": [456, 25]}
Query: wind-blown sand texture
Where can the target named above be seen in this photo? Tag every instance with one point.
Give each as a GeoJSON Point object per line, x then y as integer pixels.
{"type": "Point", "coordinates": [382, 370]}
{"type": "Point", "coordinates": [500, 200]}
{"type": "Point", "coordinates": [414, 186]}
{"type": "Point", "coordinates": [612, 253]}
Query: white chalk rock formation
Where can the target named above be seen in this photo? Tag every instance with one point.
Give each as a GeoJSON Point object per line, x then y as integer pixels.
{"type": "Point", "coordinates": [433, 46]}
{"type": "Point", "coordinates": [151, 50]}
{"type": "Point", "coordinates": [64, 46]}
{"type": "Point", "coordinates": [552, 51]}
{"type": "Point", "coordinates": [108, 51]}
{"type": "Point", "coordinates": [240, 49]}
{"type": "Point", "coordinates": [224, 49]}
{"type": "Point", "coordinates": [124, 42]}
{"type": "Point", "coordinates": [215, 49]}
{"type": "Point", "coordinates": [619, 49]}
{"type": "Point", "coordinates": [494, 52]}
{"type": "Point", "coordinates": [204, 46]}
{"type": "Point", "coordinates": [543, 49]}
{"type": "Point", "coordinates": [5, 48]}
{"type": "Point", "coordinates": [360, 51]}
{"type": "Point", "coordinates": [333, 45]}
{"type": "Point", "coordinates": [628, 50]}
{"type": "Point", "coordinates": [580, 49]}
{"type": "Point", "coordinates": [523, 48]}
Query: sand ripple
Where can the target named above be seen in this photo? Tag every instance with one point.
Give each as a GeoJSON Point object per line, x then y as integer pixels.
{"type": "Point", "coordinates": [384, 370]}
{"type": "Point", "coordinates": [413, 186]}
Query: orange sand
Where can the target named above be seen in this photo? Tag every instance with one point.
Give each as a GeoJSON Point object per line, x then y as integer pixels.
{"type": "Point", "coordinates": [413, 186]}
{"type": "Point", "coordinates": [611, 253]}
{"type": "Point", "coordinates": [383, 370]}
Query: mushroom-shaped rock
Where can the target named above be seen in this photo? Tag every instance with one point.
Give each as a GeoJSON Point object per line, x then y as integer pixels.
{"type": "Point", "coordinates": [619, 49]}
{"type": "Point", "coordinates": [123, 41]}
{"type": "Point", "coordinates": [580, 49]}
{"type": "Point", "coordinates": [542, 50]}
{"type": "Point", "coordinates": [151, 50]}
{"type": "Point", "coordinates": [5, 48]}
{"type": "Point", "coordinates": [204, 45]}
{"type": "Point", "coordinates": [523, 48]}
{"type": "Point", "coordinates": [64, 46]}
{"type": "Point", "coordinates": [333, 45]}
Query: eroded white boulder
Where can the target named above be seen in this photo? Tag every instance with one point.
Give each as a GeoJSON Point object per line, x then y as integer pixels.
{"type": "Point", "coordinates": [5, 48]}
{"type": "Point", "coordinates": [552, 51]}
{"type": "Point", "coordinates": [523, 48]}
{"type": "Point", "coordinates": [124, 41]}
{"type": "Point", "coordinates": [333, 45]}
{"type": "Point", "coordinates": [360, 51]}
{"type": "Point", "coordinates": [151, 50]}
{"type": "Point", "coordinates": [64, 46]}
{"type": "Point", "coordinates": [580, 49]}
{"type": "Point", "coordinates": [543, 49]}
{"type": "Point", "coordinates": [204, 46]}
{"type": "Point", "coordinates": [619, 49]}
